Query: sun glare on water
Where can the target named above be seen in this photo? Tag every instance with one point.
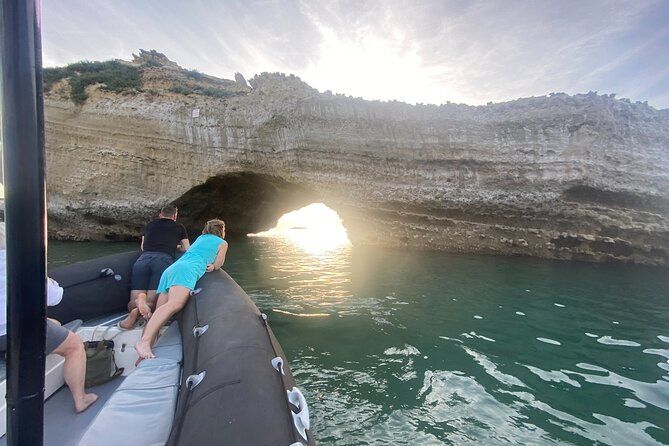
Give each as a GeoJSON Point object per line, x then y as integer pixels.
{"type": "Point", "coordinates": [315, 229]}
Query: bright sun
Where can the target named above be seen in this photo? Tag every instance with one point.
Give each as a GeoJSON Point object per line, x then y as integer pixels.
{"type": "Point", "coordinates": [316, 229]}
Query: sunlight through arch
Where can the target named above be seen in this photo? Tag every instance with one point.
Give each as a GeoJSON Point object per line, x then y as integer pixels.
{"type": "Point", "coordinates": [316, 229]}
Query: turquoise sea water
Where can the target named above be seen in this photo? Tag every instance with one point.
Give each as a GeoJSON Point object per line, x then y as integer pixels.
{"type": "Point", "coordinates": [394, 347]}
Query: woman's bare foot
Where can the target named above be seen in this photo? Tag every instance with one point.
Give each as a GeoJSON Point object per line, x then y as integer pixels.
{"type": "Point", "coordinates": [143, 348]}
{"type": "Point", "coordinates": [144, 308]}
{"type": "Point", "coordinates": [129, 322]}
{"type": "Point", "coordinates": [85, 402]}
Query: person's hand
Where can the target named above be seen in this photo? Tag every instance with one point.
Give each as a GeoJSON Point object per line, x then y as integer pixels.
{"type": "Point", "coordinates": [210, 267]}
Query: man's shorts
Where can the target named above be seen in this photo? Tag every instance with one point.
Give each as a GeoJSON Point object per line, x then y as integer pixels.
{"type": "Point", "coordinates": [147, 270]}
{"type": "Point", "coordinates": [55, 335]}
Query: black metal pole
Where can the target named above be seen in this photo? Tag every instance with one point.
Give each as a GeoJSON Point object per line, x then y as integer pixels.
{"type": "Point", "coordinates": [25, 217]}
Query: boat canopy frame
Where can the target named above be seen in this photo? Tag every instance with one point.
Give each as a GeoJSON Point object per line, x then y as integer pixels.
{"type": "Point", "coordinates": [25, 218]}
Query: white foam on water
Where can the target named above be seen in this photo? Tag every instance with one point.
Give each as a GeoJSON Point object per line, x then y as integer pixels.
{"type": "Point", "coordinates": [558, 305]}
{"type": "Point", "coordinates": [629, 402]}
{"type": "Point", "coordinates": [615, 322]}
{"type": "Point", "coordinates": [450, 339]}
{"type": "Point", "coordinates": [553, 376]}
{"type": "Point", "coordinates": [485, 338]}
{"type": "Point", "coordinates": [407, 376]}
{"type": "Point", "coordinates": [549, 341]}
{"type": "Point", "coordinates": [491, 369]}
{"type": "Point", "coordinates": [608, 340]}
{"type": "Point", "coordinates": [593, 368]}
{"type": "Point", "coordinates": [657, 351]}
{"type": "Point", "coordinates": [478, 317]}
{"type": "Point", "coordinates": [408, 350]}
{"type": "Point", "coordinates": [527, 291]}
{"type": "Point", "coordinates": [520, 313]}
{"type": "Point", "coordinates": [663, 338]}
{"type": "Point", "coordinates": [591, 335]}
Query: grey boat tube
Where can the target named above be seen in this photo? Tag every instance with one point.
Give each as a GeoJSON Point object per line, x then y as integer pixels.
{"type": "Point", "coordinates": [236, 387]}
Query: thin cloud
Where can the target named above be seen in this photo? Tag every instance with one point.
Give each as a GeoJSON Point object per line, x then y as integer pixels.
{"type": "Point", "coordinates": [415, 51]}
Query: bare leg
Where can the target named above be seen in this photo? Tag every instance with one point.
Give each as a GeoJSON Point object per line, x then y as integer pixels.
{"type": "Point", "coordinates": [162, 299]}
{"type": "Point", "coordinates": [129, 321]}
{"type": "Point", "coordinates": [142, 306]}
{"type": "Point", "coordinates": [176, 299]}
{"type": "Point", "coordinates": [72, 349]}
{"type": "Point", "coordinates": [151, 297]}
{"type": "Point", "coordinates": [135, 297]}
{"type": "Point", "coordinates": [132, 304]}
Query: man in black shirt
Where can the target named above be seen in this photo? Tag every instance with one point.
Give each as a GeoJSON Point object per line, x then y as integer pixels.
{"type": "Point", "coordinates": [161, 239]}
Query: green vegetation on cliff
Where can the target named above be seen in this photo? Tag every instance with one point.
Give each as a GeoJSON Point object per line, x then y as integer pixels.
{"type": "Point", "coordinates": [120, 77]}
{"type": "Point", "coordinates": [112, 74]}
{"type": "Point", "coordinates": [204, 91]}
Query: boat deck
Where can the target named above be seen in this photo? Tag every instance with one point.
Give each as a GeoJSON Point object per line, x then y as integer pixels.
{"type": "Point", "coordinates": [62, 425]}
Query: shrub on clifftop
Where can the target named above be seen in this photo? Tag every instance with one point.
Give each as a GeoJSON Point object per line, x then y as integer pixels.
{"type": "Point", "coordinates": [113, 74]}
{"type": "Point", "coordinates": [204, 91]}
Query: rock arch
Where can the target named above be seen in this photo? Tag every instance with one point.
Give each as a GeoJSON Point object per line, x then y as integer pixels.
{"type": "Point", "coordinates": [248, 202]}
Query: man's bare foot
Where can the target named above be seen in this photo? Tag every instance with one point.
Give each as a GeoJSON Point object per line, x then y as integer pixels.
{"type": "Point", "coordinates": [143, 348]}
{"type": "Point", "coordinates": [144, 308]}
{"type": "Point", "coordinates": [129, 322]}
{"type": "Point", "coordinates": [85, 402]}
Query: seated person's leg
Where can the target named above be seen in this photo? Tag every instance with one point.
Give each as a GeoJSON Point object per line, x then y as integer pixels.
{"type": "Point", "coordinates": [63, 342]}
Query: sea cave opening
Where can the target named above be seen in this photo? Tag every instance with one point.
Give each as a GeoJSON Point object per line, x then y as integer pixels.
{"type": "Point", "coordinates": [315, 229]}
{"type": "Point", "coordinates": [259, 205]}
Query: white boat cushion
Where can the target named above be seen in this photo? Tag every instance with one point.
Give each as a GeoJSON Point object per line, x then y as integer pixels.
{"type": "Point", "coordinates": [142, 409]}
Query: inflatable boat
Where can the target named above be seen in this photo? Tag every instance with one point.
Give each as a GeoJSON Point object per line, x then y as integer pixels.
{"type": "Point", "coordinates": [219, 377]}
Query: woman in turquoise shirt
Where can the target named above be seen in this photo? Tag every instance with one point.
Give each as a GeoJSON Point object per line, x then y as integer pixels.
{"type": "Point", "coordinates": [178, 280]}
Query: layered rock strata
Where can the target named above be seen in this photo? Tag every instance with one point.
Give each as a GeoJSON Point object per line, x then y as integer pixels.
{"type": "Point", "coordinates": [582, 177]}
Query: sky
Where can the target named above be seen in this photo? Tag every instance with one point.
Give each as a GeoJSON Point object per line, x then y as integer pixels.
{"type": "Point", "coordinates": [415, 51]}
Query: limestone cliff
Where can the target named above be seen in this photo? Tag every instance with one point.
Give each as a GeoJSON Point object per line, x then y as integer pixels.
{"type": "Point", "coordinates": [581, 177]}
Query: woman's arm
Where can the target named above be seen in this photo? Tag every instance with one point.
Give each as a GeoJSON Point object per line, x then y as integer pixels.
{"type": "Point", "coordinates": [220, 257]}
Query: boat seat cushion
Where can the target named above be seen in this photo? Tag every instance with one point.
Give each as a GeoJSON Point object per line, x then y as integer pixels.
{"type": "Point", "coordinates": [168, 346]}
{"type": "Point", "coordinates": [141, 411]}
